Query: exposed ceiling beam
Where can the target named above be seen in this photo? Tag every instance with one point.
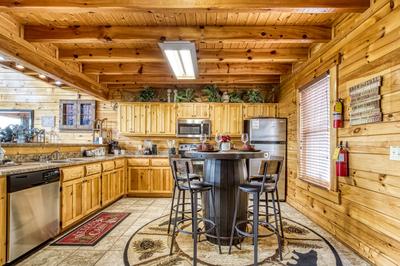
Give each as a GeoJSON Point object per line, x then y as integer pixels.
{"type": "Point", "coordinates": [204, 69]}
{"type": "Point", "coordinates": [207, 34]}
{"type": "Point", "coordinates": [203, 55]}
{"type": "Point", "coordinates": [303, 6]}
{"type": "Point", "coordinates": [22, 52]}
{"type": "Point", "coordinates": [217, 79]}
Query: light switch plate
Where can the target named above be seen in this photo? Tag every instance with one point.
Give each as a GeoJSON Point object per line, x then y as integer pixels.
{"type": "Point", "coordinates": [395, 153]}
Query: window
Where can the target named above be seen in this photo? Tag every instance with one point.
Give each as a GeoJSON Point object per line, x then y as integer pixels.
{"type": "Point", "coordinates": [314, 132]}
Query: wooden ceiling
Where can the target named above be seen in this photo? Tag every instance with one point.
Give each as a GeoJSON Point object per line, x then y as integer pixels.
{"type": "Point", "coordinates": [114, 43]}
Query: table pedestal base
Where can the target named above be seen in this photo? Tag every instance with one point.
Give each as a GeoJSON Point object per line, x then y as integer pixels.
{"type": "Point", "coordinates": [226, 176]}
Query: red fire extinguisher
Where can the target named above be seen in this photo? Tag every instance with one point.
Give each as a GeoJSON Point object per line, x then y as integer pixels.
{"type": "Point", "coordinates": [342, 161]}
{"type": "Point", "coordinates": [338, 114]}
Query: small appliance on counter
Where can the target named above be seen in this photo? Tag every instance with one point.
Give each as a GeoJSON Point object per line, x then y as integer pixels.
{"type": "Point", "coordinates": [149, 148]}
{"type": "Point", "coordinates": [171, 147]}
{"type": "Point", "coordinates": [112, 146]}
{"type": "Point", "coordinates": [154, 149]}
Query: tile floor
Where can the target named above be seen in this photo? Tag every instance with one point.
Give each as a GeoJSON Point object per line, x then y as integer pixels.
{"type": "Point", "coordinates": [110, 250]}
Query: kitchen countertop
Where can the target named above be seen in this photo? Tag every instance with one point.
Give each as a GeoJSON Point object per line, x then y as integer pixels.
{"type": "Point", "coordinates": [37, 166]}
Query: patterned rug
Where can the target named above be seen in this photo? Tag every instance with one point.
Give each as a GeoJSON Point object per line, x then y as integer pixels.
{"type": "Point", "coordinates": [302, 247]}
{"type": "Point", "coordinates": [91, 232]}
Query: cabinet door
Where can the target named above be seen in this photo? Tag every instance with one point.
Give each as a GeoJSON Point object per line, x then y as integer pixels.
{"type": "Point", "coordinates": [161, 180]}
{"type": "Point", "coordinates": [234, 119]}
{"type": "Point", "coordinates": [201, 110]}
{"type": "Point", "coordinates": [218, 119]}
{"type": "Point", "coordinates": [161, 119]}
{"type": "Point", "coordinates": [121, 181]}
{"type": "Point", "coordinates": [91, 192]}
{"type": "Point", "coordinates": [132, 118]}
{"type": "Point", "coordinates": [72, 201]}
{"type": "Point", "coordinates": [185, 110]}
{"type": "Point", "coordinates": [259, 110]}
{"type": "Point", "coordinates": [106, 191]}
{"type": "Point", "coordinates": [3, 215]}
{"type": "Point", "coordinates": [138, 180]}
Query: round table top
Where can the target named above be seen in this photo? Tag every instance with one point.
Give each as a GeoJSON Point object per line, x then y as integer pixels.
{"type": "Point", "coordinates": [225, 155]}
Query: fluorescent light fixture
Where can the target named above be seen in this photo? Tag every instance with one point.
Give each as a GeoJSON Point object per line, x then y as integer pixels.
{"type": "Point", "coordinates": [58, 83]}
{"type": "Point", "coordinates": [42, 76]}
{"type": "Point", "coordinates": [181, 57]}
{"type": "Point", "coordinates": [20, 67]}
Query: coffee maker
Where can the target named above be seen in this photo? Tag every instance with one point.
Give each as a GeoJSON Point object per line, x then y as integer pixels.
{"type": "Point", "coordinates": [112, 146]}
{"type": "Point", "coordinates": [171, 147]}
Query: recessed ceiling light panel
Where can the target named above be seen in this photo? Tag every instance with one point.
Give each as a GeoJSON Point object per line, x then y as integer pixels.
{"type": "Point", "coordinates": [20, 67]}
{"type": "Point", "coordinates": [42, 76]}
{"type": "Point", "coordinates": [181, 57]}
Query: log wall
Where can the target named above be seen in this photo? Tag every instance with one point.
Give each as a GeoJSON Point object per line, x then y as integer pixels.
{"type": "Point", "coordinates": [365, 211]}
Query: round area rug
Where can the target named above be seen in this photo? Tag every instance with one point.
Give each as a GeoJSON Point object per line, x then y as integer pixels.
{"type": "Point", "coordinates": [302, 247]}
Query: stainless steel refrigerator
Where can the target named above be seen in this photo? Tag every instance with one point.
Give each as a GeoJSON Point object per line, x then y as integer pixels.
{"type": "Point", "coordinates": [269, 136]}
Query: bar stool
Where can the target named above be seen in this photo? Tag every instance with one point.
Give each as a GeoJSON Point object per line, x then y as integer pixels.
{"type": "Point", "coordinates": [195, 187]}
{"type": "Point", "coordinates": [264, 203]}
{"type": "Point", "coordinates": [270, 169]}
{"type": "Point", "coordinates": [174, 207]}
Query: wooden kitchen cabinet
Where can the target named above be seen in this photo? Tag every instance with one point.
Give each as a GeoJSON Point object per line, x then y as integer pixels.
{"type": "Point", "coordinates": [226, 119]}
{"type": "Point", "coordinates": [139, 180]}
{"type": "Point", "coordinates": [161, 119]}
{"type": "Point", "coordinates": [132, 118]}
{"type": "Point", "coordinates": [77, 114]}
{"type": "Point", "coordinates": [259, 110]}
{"type": "Point", "coordinates": [193, 110]}
{"type": "Point", "coordinates": [3, 220]}
{"type": "Point", "coordinates": [150, 178]}
{"type": "Point", "coordinates": [91, 193]}
{"type": "Point", "coordinates": [106, 187]}
{"type": "Point", "coordinates": [72, 202]}
{"type": "Point", "coordinates": [161, 180]}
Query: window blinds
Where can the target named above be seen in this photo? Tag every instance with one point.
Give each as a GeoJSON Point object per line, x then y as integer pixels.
{"type": "Point", "coordinates": [314, 129]}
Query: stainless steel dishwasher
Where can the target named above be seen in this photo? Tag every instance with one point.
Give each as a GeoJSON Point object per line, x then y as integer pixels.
{"type": "Point", "coordinates": [34, 210]}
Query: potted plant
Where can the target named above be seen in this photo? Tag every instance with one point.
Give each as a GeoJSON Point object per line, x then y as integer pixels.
{"type": "Point", "coordinates": [225, 143]}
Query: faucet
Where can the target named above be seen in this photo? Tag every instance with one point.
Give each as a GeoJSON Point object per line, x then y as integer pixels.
{"type": "Point", "coordinates": [56, 154]}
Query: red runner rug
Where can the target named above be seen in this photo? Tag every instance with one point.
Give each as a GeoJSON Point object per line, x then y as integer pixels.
{"type": "Point", "coordinates": [91, 232]}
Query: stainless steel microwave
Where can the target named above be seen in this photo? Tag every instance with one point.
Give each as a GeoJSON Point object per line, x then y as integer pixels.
{"type": "Point", "coordinates": [192, 128]}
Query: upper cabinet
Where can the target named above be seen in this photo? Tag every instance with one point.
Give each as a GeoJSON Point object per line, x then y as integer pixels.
{"type": "Point", "coordinates": [226, 118]}
{"type": "Point", "coordinates": [259, 110]}
{"type": "Point", "coordinates": [77, 114]}
{"type": "Point", "coordinates": [161, 118]}
{"type": "Point", "coordinates": [132, 118]}
{"type": "Point", "coordinates": [147, 118]}
{"type": "Point", "coordinates": [193, 110]}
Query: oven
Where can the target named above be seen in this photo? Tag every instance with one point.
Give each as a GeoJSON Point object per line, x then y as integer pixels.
{"type": "Point", "coordinates": [192, 128]}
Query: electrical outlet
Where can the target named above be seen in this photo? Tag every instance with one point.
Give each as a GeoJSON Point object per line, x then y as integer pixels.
{"type": "Point", "coordinates": [395, 153]}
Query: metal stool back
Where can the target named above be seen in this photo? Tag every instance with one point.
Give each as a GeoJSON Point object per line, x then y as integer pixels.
{"type": "Point", "coordinates": [267, 182]}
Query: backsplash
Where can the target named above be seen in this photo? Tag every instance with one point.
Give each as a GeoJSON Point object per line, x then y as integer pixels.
{"type": "Point", "coordinates": [35, 157]}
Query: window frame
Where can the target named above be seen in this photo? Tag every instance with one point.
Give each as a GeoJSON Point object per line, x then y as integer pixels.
{"type": "Point", "coordinates": [332, 73]}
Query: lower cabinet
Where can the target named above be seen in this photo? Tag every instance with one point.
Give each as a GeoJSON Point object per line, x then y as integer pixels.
{"type": "Point", "coordinates": [91, 193]}
{"type": "Point", "coordinates": [3, 215]}
{"type": "Point", "coordinates": [153, 180]}
{"type": "Point", "coordinates": [86, 188]}
{"type": "Point", "coordinates": [72, 201]}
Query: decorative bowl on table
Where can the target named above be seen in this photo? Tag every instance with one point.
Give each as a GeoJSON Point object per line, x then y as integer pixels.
{"type": "Point", "coordinates": [206, 148]}
{"type": "Point", "coordinates": [248, 147]}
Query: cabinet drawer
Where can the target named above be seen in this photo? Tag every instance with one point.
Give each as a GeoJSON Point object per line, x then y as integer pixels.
{"type": "Point", "coordinates": [71, 173]}
{"type": "Point", "coordinates": [119, 163]}
{"type": "Point", "coordinates": [94, 168]}
{"type": "Point", "coordinates": [108, 165]}
{"type": "Point", "coordinates": [159, 162]}
{"type": "Point", "coordinates": [138, 162]}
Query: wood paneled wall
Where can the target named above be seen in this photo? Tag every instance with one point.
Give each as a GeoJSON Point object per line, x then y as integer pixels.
{"type": "Point", "coordinates": [18, 91]}
{"type": "Point", "coordinates": [367, 216]}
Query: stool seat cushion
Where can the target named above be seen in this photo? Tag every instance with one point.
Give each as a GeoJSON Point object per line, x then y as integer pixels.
{"type": "Point", "coordinates": [196, 185]}
{"type": "Point", "coordinates": [256, 187]}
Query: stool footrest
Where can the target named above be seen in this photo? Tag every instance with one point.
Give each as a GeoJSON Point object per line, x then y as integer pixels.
{"type": "Point", "coordinates": [260, 223]}
{"type": "Point", "coordinates": [199, 220]}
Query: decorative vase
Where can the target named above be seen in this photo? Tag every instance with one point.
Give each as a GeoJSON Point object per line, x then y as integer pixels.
{"type": "Point", "coordinates": [225, 146]}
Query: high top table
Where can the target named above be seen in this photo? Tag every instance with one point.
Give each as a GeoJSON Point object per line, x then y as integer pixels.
{"type": "Point", "coordinates": [226, 171]}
